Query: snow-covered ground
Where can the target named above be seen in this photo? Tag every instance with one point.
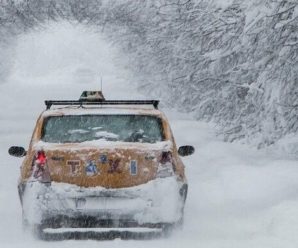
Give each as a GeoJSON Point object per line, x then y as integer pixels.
{"type": "Point", "coordinates": [238, 196]}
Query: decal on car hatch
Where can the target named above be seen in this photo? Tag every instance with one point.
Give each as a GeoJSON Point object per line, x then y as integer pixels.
{"type": "Point", "coordinates": [114, 166]}
{"type": "Point", "coordinates": [74, 166]}
{"type": "Point", "coordinates": [103, 158]}
{"type": "Point", "coordinates": [91, 168]}
{"type": "Point", "coordinates": [150, 157]}
{"type": "Point", "coordinates": [56, 158]}
{"type": "Point", "coordinates": [133, 167]}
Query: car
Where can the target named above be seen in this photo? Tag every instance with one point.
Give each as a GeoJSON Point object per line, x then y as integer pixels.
{"type": "Point", "coordinates": [107, 164]}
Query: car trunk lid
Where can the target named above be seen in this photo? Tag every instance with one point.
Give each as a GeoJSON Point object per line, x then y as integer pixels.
{"type": "Point", "coordinates": [109, 166]}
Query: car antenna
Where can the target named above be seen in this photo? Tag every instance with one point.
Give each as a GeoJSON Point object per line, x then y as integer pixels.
{"type": "Point", "coordinates": [101, 83]}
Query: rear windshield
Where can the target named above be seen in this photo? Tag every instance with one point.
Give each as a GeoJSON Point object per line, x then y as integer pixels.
{"type": "Point", "coordinates": [80, 128]}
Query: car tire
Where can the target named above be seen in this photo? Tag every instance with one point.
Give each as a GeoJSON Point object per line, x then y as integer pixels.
{"type": "Point", "coordinates": [168, 229]}
{"type": "Point", "coordinates": [179, 224]}
{"type": "Point", "coordinates": [37, 231]}
{"type": "Point", "coordinates": [25, 223]}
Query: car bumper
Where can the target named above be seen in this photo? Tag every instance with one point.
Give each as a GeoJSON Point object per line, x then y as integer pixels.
{"type": "Point", "coordinates": [63, 205]}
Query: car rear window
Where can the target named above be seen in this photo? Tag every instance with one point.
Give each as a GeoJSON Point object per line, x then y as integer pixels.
{"type": "Point", "coordinates": [80, 128]}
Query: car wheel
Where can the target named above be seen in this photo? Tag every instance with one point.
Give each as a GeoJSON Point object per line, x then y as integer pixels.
{"type": "Point", "coordinates": [168, 229]}
{"type": "Point", "coordinates": [37, 231]}
{"type": "Point", "coordinates": [179, 224]}
{"type": "Point", "coordinates": [25, 223]}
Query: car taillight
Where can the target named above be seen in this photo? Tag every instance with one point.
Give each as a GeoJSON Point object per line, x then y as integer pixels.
{"type": "Point", "coordinates": [166, 157]}
{"type": "Point", "coordinates": [41, 158]}
{"type": "Point", "coordinates": [40, 168]}
{"type": "Point", "coordinates": [165, 165]}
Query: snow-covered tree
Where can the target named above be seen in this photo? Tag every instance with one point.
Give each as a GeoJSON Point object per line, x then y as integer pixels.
{"type": "Point", "coordinates": [233, 62]}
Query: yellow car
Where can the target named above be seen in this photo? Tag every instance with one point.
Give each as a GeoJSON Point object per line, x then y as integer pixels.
{"type": "Point", "coordinates": [102, 164]}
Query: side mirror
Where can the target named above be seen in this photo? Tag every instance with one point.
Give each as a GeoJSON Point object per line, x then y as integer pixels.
{"type": "Point", "coordinates": [186, 150]}
{"type": "Point", "coordinates": [17, 151]}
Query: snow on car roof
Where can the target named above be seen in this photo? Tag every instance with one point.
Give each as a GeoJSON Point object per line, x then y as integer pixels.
{"type": "Point", "coordinates": [103, 110]}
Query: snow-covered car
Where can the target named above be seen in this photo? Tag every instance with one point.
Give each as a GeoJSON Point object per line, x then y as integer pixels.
{"type": "Point", "coordinates": [102, 164]}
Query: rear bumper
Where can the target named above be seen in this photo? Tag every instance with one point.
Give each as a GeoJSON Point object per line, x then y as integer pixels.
{"type": "Point", "coordinates": [153, 204]}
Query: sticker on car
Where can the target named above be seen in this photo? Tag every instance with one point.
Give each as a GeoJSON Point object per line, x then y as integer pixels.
{"type": "Point", "coordinates": [91, 168]}
{"type": "Point", "coordinates": [114, 166]}
{"type": "Point", "coordinates": [133, 167]}
{"type": "Point", "coordinates": [56, 158]}
{"type": "Point", "coordinates": [103, 158]}
{"type": "Point", "coordinates": [74, 166]}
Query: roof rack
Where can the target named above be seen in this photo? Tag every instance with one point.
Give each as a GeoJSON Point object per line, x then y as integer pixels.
{"type": "Point", "coordinates": [49, 103]}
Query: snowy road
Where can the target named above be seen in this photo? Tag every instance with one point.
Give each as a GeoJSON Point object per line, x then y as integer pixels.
{"type": "Point", "coordinates": [238, 196]}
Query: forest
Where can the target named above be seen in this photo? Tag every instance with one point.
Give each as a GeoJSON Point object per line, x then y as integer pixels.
{"type": "Point", "coordinates": [233, 63]}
